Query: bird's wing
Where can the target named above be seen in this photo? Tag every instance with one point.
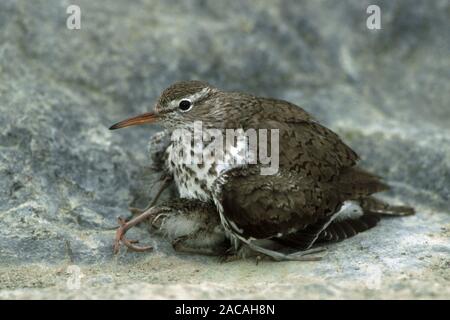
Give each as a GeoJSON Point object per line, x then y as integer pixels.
{"type": "Point", "coordinates": [255, 206]}
{"type": "Point", "coordinates": [304, 144]}
{"type": "Point", "coordinates": [314, 163]}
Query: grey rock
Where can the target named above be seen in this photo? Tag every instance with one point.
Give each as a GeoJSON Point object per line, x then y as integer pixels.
{"type": "Point", "coordinates": [64, 178]}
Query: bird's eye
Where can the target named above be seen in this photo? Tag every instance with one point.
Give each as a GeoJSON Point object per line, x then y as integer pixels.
{"type": "Point", "coordinates": [185, 105]}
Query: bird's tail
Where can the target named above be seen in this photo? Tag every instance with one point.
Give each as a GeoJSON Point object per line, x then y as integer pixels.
{"type": "Point", "coordinates": [355, 183]}
{"type": "Point", "coordinates": [374, 205]}
{"type": "Point", "coordinates": [372, 211]}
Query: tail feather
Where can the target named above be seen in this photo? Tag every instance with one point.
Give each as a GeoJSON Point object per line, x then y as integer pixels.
{"type": "Point", "coordinates": [378, 206]}
{"type": "Point", "coordinates": [342, 229]}
{"type": "Point", "coordinates": [339, 229]}
{"type": "Point", "coordinates": [355, 183]}
{"type": "Point", "coordinates": [373, 209]}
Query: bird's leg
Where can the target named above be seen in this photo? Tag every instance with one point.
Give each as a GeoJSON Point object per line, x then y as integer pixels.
{"type": "Point", "coordinates": [125, 226]}
{"type": "Point", "coordinates": [165, 183]}
{"type": "Point", "coordinates": [308, 255]}
{"type": "Point", "coordinates": [304, 255]}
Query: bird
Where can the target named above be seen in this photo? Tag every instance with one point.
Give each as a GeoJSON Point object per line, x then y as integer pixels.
{"type": "Point", "coordinates": [317, 194]}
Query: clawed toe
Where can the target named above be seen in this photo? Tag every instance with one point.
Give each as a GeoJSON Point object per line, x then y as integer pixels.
{"type": "Point", "coordinates": [125, 226]}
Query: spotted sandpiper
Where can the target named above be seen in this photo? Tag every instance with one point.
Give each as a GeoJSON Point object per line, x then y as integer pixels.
{"type": "Point", "coordinates": [318, 193]}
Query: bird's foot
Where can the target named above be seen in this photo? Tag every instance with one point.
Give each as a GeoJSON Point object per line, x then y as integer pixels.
{"type": "Point", "coordinates": [125, 226]}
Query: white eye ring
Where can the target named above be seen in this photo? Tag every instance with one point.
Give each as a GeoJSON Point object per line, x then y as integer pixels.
{"type": "Point", "coordinates": [185, 105]}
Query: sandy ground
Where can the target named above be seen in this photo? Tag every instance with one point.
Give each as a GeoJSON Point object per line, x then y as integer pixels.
{"type": "Point", "coordinates": [358, 268]}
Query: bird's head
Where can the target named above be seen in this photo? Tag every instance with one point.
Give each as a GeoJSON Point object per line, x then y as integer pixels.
{"type": "Point", "coordinates": [181, 103]}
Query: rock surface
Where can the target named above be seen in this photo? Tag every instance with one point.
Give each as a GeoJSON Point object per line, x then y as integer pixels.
{"type": "Point", "coordinates": [64, 178]}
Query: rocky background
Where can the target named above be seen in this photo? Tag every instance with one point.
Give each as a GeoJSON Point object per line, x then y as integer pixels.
{"type": "Point", "coordinates": [64, 178]}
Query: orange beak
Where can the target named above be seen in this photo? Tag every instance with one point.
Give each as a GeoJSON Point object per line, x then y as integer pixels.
{"type": "Point", "coordinates": [138, 120]}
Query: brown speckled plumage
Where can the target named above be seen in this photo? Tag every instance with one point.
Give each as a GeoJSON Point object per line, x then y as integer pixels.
{"type": "Point", "coordinates": [297, 207]}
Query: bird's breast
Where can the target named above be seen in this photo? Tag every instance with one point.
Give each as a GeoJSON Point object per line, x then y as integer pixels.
{"type": "Point", "coordinates": [193, 180]}
{"type": "Point", "coordinates": [196, 166]}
